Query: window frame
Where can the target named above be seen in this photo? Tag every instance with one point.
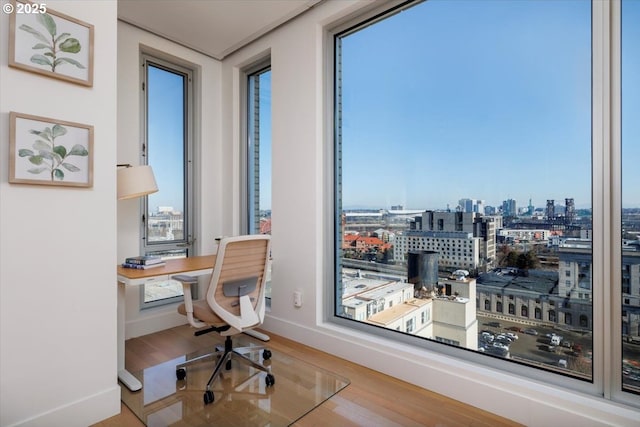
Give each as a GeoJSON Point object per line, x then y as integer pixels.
{"type": "Point", "coordinates": [606, 208]}
{"type": "Point", "coordinates": [177, 66]}
{"type": "Point", "coordinates": [616, 391]}
{"type": "Point", "coordinates": [259, 66]}
{"type": "Point", "coordinates": [247, 152]}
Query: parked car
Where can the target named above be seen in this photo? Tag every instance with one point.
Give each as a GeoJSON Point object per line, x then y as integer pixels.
{"type": "Point", "coordinates": [515, 329]}
{"type": "Point", "coordinates": [512, 335]}
{"type": "Point", "coordinates": [504, 338]}
{"type": "Point", "coordinates": [555, 339]}
{"type": "Point", "coordinates": [530, 331]}
{"type": "Point", "coordinates": [501, 345]}
{"type": "Point", "coordinates": [487, 337]}
{"type": "Point", "coordinates": [547, 347]}
{"type": "Point", "coordinates": [494, 324]}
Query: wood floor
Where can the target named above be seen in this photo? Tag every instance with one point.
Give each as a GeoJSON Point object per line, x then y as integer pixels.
{"type": "Point", "coordinates": [371, 399]}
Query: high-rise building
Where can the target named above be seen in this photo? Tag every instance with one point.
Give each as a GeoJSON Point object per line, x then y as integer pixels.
{"type": "Point", "coordinates": [509, 208]}
{"type": "Point", "coordinates": [463, 239]}
{"type": "Point", "coordinates": [471, 205]}
{"type": "Point", "coordinates": [569, 211]}
{"type": "Point", "coordinates": [551, 210]}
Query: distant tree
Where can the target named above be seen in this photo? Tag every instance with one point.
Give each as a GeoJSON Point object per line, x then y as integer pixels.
{"type": "Point", "coordinates": [511, 260]}
{"type": "Point", "coordinates": [502, 255]}
{"type": "Point", "coordinates": [532, 259]}
{"type": "Point", "coordinates": [527, 260]}
{"type": "Point", "coordinates": [522, 260]}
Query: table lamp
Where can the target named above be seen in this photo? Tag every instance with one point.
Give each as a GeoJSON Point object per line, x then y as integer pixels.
{"type": "Point", "coordinates": [135, 181]}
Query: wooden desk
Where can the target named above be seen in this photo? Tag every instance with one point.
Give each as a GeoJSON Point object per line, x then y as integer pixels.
{"type": "Point", "coordinates": [194, 266]}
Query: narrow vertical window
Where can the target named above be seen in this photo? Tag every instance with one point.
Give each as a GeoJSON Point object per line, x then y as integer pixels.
{"type": "Point", "coordinates": [259, 152]}
{"type": "Point", "coordinates": [258, 157]}
{"type": "Point", "coordinates": [166, 221]}
{"type": "Point", "coordinates": [630, 286]}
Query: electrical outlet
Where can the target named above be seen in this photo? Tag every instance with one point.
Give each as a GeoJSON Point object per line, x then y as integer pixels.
{"type": "Point", "coordinates": [297, 298]}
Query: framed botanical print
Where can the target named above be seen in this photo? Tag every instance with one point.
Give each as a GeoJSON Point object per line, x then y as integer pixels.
{"type": "Point", "coordinates": [50, 43]}
{"type": "Point", "coordinates": [47, 151]}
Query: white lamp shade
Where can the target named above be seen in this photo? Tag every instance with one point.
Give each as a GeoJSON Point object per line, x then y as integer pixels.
{"type": "Point", "coordinates": [136, 181]}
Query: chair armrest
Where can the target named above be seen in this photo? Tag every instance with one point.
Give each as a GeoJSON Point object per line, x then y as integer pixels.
{"type": "Point", "coordinates": [248, 316]}
{"type": "Point", "coordinates": [187, 281]}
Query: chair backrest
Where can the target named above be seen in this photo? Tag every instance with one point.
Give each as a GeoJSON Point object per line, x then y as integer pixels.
{"type": "Point", "coordinates": [241, 262]}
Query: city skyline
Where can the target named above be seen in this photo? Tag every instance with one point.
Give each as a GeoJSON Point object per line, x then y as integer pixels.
{"type": "Point", "coordinates": [558, 203]}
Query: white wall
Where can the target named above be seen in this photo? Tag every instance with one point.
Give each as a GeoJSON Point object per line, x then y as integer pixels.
{"type": "Point", "coordinates": [207, 160]}
{"type": "Point", "coordinates": [58, 358]}
{"type": "Point", "coordinates": [301, 232]}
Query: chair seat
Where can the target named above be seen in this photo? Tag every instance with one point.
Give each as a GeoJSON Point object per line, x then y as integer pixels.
{"type": "Point", "coordinates": [202, 312]}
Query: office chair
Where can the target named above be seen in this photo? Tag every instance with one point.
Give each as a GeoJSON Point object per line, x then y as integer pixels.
{"type": "Point", "coordinates": [234, 303]}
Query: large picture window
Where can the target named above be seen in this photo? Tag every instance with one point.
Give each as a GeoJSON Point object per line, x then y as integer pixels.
{"type": "Point", "coordinates": [630, 286]}
{"type": "Point", "coordinates": [464, 170]}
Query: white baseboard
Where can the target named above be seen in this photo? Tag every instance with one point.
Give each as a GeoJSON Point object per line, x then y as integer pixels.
{"type": "Point", "coordinates": [81, 413]}
{"type": "Point", "coordinates": [153, 322]}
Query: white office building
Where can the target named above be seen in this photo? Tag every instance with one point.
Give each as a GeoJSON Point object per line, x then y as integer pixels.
{"type": "Point", "coordinates": [448, 315]}
{"type": "Point", "coordinates": [455, 249]}
{"type": "Point", "coordinates": [464, 240]}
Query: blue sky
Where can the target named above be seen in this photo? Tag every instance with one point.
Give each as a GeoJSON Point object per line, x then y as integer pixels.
{"type": "Point", "coordinates": [166, 130]}
{"type": "Point", "coordinates": [631, 103]}
{"type": "Point", "coordinates": [466, 99]}
{"type": "Point", "coordinates": [265, 140]}
{"type": "Point", "coordinates": [455, 99]}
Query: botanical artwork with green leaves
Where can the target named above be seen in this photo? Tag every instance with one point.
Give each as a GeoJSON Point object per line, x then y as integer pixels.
{"type": "Point", "coordinates": [55, 47]}
{"type": "Point", "coordinates": [50, 43]}
{"type": "Point", "coordinates": [50, 152]}
{"type": "Point", "coordinates": [51, 158]}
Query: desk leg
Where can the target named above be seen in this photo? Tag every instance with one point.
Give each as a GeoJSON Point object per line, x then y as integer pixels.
{"type": "Point", "coordinates": [124, 376]}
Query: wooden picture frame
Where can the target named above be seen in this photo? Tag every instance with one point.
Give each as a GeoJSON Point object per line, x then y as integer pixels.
{"type": "Point", "coordinates": [46, 151]}
{"type": "Point", "coordinates": [50, 43]}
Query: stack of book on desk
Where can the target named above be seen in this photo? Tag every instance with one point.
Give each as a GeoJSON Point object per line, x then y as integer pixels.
{"type": "Point", "coordinates": [143, 262]}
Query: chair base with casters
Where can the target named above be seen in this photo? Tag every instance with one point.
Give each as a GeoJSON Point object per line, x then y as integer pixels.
{"type": "Point", "coordinates": [224, 359]}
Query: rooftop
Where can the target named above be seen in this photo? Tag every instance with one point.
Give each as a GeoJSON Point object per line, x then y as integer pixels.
{"type": "Point", "coordinates": [398, 311]}
{"type": "Point", "coordinates": [539, 281]}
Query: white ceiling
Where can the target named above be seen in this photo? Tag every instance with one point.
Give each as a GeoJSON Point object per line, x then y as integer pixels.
{"type": "Point", "coordinates": [213, 27]}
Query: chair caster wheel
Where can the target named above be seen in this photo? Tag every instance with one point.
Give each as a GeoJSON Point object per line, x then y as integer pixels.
{"type": "Point", "coordinates": [181, 374]}
{"type": "Point", "coordinates": [208, 397]}
{"type": "Point", "coordinates": [266, 354]}
{"type": "Point", "coordinates": [270, 380]}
